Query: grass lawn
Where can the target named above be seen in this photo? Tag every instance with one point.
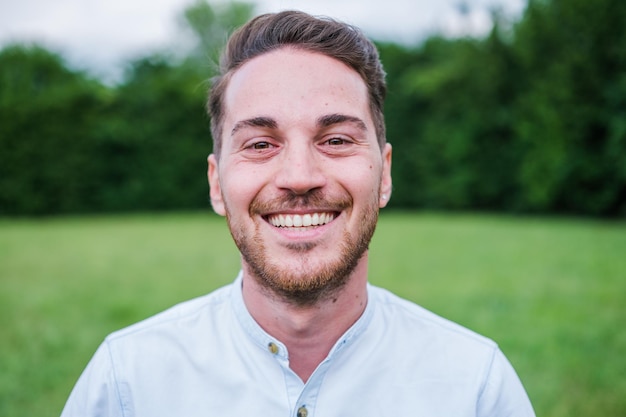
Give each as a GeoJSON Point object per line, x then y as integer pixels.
{"type": "Point", "coordinates": [551, 292]}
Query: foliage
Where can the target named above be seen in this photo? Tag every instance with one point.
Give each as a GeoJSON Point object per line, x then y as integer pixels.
{"type": "Point", "coordinates": [531, 118]}
{"type": "Point", "coordinates": [47, 117]}
{"type": "Point", "coordinates": [153, 143]}
{"type": "Point", "coordinates": [572, 112]}
{"type": "Point", "coordinates": [211, 25]}
{"type": "Point", "coordinates": [549, 291]}
{"type": "Point", "coordinates": [71, 145]}
{"type": "Point", "coordinates": [459, 147]}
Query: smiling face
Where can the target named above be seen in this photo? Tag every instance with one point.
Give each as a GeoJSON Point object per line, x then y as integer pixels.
{"type": "Point", "coordinates": [301, 176]}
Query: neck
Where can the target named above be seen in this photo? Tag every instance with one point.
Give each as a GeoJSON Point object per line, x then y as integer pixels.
{"type": "Point", "coordinates": [308, 332]}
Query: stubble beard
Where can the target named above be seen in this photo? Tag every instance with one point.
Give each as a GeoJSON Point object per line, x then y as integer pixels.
{"type": "Point", "coordinates": [316, 279]}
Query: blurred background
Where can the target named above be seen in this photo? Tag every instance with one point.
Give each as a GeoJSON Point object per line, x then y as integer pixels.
{"type": "Point", "coordinates": [493, 105]}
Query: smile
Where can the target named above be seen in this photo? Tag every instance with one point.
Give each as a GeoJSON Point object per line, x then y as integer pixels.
{"type": "Point", "coordinates": [297, 220]}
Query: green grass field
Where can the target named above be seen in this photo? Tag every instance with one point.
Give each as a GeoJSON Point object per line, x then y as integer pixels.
{"type": "Point", "coordinates": [551, 292]}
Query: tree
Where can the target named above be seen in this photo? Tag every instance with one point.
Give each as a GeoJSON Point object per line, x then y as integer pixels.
{"type": "Point", "coordinates": [211, 25]}
{"type": "Point", "coordinates": [448, 111]}
{"type": "Point", "coordinates": [156, 136]}
{"type": "Point", "coordinates": [572, 110]}
{"type": "Point", "coordinates": [70, 144]}
{"type": "Point", "coordinates": [47, 118]}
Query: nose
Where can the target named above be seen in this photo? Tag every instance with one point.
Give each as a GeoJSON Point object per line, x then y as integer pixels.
{"type": "Point", "coordinates": [300, 170]}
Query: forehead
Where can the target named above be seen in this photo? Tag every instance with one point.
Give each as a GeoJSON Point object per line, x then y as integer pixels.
{"type": "Point", "coordinates": [292, 84]}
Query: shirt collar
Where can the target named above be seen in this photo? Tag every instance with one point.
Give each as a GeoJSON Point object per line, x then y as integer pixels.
{"type": "Point", "coordinates": [267, 342]}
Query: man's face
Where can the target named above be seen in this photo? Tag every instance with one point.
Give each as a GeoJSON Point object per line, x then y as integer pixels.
{"type": "Point", "coordinates": [301, 176]}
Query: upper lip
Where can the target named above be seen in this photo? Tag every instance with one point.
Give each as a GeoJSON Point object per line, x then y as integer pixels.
{"type": "Point", "coordinates": [300, 211]}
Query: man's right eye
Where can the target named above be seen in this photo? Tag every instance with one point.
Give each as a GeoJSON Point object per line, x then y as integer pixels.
{"type": "Point", "coordinates": [261, 145]}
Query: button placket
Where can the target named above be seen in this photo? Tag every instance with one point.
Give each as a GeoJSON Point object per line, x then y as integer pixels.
{"type": "Point", "coordinates": [273, 348]}
{"type": "Point", "coordinates": [302, 411]}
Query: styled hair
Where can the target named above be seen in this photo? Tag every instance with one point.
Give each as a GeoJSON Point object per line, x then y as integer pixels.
{"type": "Point", "coordinates": [269, 32]}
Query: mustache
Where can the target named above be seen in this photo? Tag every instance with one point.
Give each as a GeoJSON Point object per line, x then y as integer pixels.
{"type": "Point", "coordinates": [314, 199]}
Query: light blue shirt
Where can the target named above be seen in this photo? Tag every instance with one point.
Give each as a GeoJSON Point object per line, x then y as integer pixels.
{"type": "Point", "coordinates": [208, 357]}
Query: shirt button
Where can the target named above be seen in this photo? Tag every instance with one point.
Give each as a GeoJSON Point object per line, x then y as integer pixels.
{"type": "Point", "coordinates": [302, 412]}
{"type": "Point", "coordinates": [273, 348]}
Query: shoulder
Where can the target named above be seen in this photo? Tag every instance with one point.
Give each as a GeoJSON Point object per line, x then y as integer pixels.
{"type": "Point", "coordinates": [431, 354]}
{"type": "Point", "coordinates": [188, 314]}
{"type": "Point", "coordinates": [430, 347]}
{"type": "Point", "coordinates": [418, 323]}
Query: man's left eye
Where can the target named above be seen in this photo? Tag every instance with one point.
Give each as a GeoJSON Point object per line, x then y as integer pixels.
{"type": "Point", "coordinates": [336, 141]}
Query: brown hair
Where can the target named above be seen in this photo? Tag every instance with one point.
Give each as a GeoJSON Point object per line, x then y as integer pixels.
{"type": "Point", "coordinates": [272, 31]}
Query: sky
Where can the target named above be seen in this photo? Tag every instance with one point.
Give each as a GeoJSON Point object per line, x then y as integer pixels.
{"type": "Point", "coordinates": [100, 35]}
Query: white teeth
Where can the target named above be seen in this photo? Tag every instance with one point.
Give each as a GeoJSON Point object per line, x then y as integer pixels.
{"type": "Point", "coordinates": [297, 220]}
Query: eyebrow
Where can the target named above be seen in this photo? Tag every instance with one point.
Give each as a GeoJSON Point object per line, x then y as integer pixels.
{"type": "Point", "coordinates": [336, 118]}
{"type": "Point", "coordinates": [322, 122]}
{"type": "Point", "coordinates": [266, 122]}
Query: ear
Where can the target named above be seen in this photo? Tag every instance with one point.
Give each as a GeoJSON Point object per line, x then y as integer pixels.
{"type": "Point", "coordinates": [217, 200]}
{"type": "Point", "coordinates": [385, 182]}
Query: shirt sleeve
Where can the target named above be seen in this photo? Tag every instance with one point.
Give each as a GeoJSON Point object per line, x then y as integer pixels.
{"type": "Point", "coordinates": [503, 394]}
{"type": "Point", "coordinates": [96, 394]}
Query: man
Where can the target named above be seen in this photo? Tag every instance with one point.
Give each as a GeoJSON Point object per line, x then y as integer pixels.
{"type": "Point", "coordinates": [300, 169]}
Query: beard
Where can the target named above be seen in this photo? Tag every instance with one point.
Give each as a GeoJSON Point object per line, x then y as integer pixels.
{"type": "Point", "coordinates": [315, 279]}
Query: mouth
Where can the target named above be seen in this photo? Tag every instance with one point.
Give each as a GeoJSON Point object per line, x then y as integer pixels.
{"type": "Point", "coordinates": [300, 220]}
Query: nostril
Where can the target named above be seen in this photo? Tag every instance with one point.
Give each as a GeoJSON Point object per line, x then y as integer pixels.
{"type": "Point", "coordinates": [300, 181]}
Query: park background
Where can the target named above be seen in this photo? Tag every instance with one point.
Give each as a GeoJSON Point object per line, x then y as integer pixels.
{"type": "Point", "coordinates": [507, 213]}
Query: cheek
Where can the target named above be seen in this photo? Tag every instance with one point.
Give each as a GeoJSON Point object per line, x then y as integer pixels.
{"type": "Point", "coordinates": [363, 184]}
{"type": "Point", "coordinates": [240, 190]}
